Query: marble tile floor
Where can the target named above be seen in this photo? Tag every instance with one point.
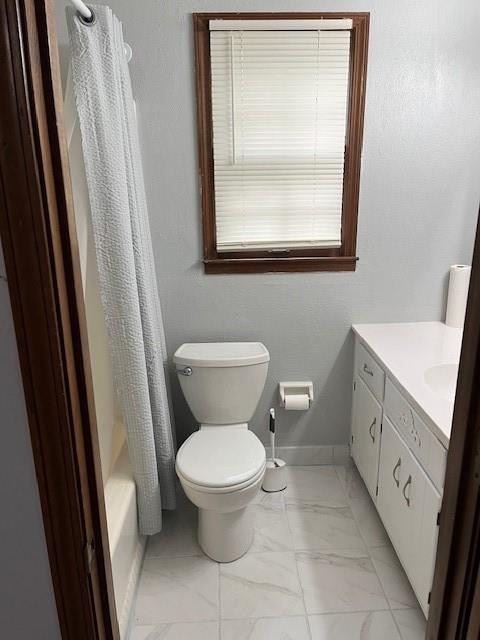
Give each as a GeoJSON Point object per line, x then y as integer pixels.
{"type": "Point", "coordinates": [321, 567]}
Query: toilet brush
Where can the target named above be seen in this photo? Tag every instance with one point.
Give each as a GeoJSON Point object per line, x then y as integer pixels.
{"type": "Point", "coordinates": [272, 435]}
{"type": "Point", "coordinates": [275, 471]}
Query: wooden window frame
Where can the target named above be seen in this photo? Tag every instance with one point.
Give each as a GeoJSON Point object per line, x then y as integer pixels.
{"type": "Point", "coordinates": [341, 258]}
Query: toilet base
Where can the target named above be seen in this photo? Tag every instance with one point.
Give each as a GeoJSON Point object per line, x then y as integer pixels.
{"type": "Point", "coordinates": [225, 537]}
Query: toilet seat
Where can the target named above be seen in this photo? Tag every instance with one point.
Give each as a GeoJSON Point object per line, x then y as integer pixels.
{"type": "Point", "coordinates": [226, 489]}
{"type": "Point", "coordinates": [221, 460]}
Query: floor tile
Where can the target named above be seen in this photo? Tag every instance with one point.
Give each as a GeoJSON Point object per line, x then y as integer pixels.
{"type": "Point", "coordinates": [351, 481]}
{"type": "Point", "coordinates": [177, 590]}
{"type": "Point", "coordinates": [177, 631]}
{"type": "Point", "coordinates": [341, 454]}
{"type": "Point", "coordinates": [302, 456]}
{"type": "Point", "coordinates": [323, 509]}
{"type": "Point", "coordinates": [260, 584]}
{"type": "Point", "coordinates": [392, 576]}
{"type": "Point", "coordinates": [337, 581]}
{"type": "Point", "coordinates": [371, 625]}
{"type": "Point", "coordinates": [315, 526]}
{"type": "Point", "coordinates": [318, 484]}
{"type": "Point", "coordinates": [412, 624]}
{"type": "Point", "coordinates": [363, 509]}
{"type": "Point", "coordinates": [272, 532]}
{"type": "Point", "coordinates": [179, 533]}
{"type": "Point", "coordinates": [268, 497]}
{"type": "Point", "coordinates": [368, 522]}
{"type": "Point", "coordinates": [294, 628]}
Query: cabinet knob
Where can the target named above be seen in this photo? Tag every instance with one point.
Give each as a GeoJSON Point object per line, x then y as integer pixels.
{"type": "Point", "coordinates": [372, 434]}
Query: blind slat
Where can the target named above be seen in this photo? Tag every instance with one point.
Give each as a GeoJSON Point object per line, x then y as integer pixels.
{"type": "Point", "coordinates": [279, 108]}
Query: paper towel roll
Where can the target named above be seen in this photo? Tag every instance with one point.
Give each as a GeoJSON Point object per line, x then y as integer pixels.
{"type": "Point", "coordinates": [457, 295]}
{"type": "Point", "coordinates": [297, 402]}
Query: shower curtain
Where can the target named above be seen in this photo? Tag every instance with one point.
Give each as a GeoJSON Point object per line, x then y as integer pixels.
{"type": "Point", "coordinates": [123, 247]}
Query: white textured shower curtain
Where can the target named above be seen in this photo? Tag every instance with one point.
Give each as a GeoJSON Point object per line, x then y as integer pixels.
{"type": "Point", "coordinates": [123, 248]}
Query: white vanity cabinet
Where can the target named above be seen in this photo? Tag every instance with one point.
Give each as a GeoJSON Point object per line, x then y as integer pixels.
{"type": "Point", "coordinates": [402, 464]}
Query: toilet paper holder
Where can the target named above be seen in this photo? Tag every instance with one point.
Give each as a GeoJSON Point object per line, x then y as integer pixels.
{"type": "Point", "coordinates": [302, 388]}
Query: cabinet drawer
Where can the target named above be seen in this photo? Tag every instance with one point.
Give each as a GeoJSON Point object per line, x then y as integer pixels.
{"type": "Point", "coordinates": [426, 448]}
{"type": "Point", "coordinates": [369, 371]}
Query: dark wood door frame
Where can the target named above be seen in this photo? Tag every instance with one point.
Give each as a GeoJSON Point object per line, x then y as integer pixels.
{"type": "Point", "coordinates": [455, 602]}
{"type": "Point", "coordinates": [41, 258]}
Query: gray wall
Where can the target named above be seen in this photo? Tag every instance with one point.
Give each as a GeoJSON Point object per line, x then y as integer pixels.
{"type": "Point", "coordinates": [27, 603]}
{"type": "Point", "coordinates": [418, 204]}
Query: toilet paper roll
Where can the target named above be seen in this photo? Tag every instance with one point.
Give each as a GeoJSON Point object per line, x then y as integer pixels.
{"type": "Point", "coordinates": [457, 295]}
{"type": "Point", "coordinates": [297, 402]}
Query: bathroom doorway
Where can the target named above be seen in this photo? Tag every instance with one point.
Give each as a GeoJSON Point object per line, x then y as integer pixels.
{"type": "Point", "coordinates": [42, 270]}
{"type": "Point", "coordinates": [456, 589]}
{"type": "Point", "coordinates": [36, 226]}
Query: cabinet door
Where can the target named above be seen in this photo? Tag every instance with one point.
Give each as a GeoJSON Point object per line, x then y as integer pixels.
{"type": "Point", "coordinates": [366, 426]}
{"type": "Point", "coordinates": [408, 504]}
{"type": "Point", "coordinates": [427, 549]}
{"type": "Point", "coordinates": [389, 499]}
{"type": "Point", "coordinates": [411, 495]}
{"type": "Point", "coordinates": [419, 512]}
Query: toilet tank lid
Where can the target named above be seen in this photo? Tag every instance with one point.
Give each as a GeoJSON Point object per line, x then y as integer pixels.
{"type": "Point", "coordinates": [221, 354]}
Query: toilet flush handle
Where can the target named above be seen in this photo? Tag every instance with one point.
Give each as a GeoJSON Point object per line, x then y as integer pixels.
{"type": "Point", "coordinates": [187, 371]}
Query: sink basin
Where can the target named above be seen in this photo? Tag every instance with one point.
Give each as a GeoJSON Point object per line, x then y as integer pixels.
{"type": "Point", "coordinates": [442, 380]}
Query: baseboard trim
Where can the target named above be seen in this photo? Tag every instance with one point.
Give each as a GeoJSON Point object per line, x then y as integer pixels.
{"type": "Point", "coordinates": [310, 455]}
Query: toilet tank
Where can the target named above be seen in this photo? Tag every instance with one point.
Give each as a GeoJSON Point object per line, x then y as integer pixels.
{"type": "Point", "coordinates": [222, 381]}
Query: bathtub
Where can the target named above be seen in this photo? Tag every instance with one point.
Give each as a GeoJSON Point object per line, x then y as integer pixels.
{"type": "Point", "coordinates": [126, 545]}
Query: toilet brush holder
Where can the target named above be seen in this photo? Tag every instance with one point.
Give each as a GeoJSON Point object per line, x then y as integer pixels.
{"type": "Point", "coordinates": [275, 478]}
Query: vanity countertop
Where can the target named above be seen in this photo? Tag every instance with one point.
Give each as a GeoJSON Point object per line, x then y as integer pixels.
{"type": "Point", "coordinates": [422, 358]}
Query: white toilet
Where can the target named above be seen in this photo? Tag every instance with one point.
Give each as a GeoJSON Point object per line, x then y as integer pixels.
{"type": "Point", "coordinates": [221, 466]}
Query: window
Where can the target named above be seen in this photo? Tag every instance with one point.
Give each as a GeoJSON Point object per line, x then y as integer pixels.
{"type": "Point", "coordinates": [280, 116]}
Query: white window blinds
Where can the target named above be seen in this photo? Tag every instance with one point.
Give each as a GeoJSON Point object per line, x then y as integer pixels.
{"type": "Point", "coordinates": [279, 105]}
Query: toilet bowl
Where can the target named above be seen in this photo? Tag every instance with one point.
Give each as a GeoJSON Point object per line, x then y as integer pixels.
{"type": "Point", "coordinates": [221, 466]}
